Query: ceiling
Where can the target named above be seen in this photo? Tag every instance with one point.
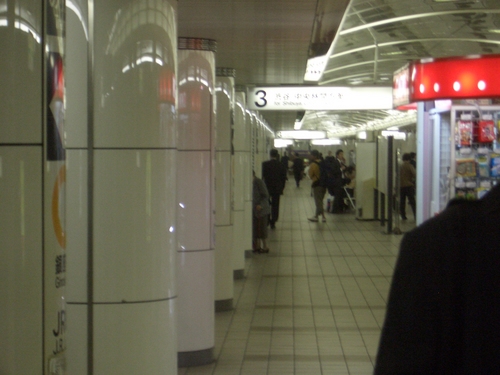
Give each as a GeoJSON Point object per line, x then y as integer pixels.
{"type": "Point", "coordinates": [268, 43]}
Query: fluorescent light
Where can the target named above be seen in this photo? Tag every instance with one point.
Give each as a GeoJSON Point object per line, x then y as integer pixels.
{"type": "Point", "coordinates": [395, 134]}
{"type": "Point", "coordinates": [326, 142]}
{"type": "Point", "coordinates": [302, 134]}
{"type": "Point", "coordinates": [281, 143]}
{"type": "Point", "coordinates": [362, 135]}
{"type": "Point", "coordinates": [443, 104]}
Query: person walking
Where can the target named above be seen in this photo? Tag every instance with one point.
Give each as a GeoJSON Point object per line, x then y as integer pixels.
{"type": "Point", "coordinates": [284, 160]}
{"type": "Point", "coordinates": [261, 211]}
{"type": "Point", "coordinates": [339, 167]}
{"type": "Point", "coordinates": [298, 169]}
{"type": "Point", "coordinates": [319, 191]}
{"type": "Point", "coordinates": [274, 176]}
{"type": "Point", "coordinates": [407, 176]}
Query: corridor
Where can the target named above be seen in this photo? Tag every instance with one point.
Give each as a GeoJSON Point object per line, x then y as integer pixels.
{"type": "Point", "coordinates": [313, 305]}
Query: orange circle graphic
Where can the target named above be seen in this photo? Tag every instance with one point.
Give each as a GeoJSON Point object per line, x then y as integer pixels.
{"type": "Point", "coordinates": [56, 219]}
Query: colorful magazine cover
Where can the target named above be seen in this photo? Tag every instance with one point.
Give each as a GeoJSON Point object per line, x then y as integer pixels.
{"type": "Point", "coordinates": [465, 129]}
{"type": "Point", "coordinates": [495, 165]}
{"type": "Point", "coordinates": [483, 166]}
{"type": "Point", "coordinates": [466, 168]}
{"type": "Point", "coordinates": [486, 131]}
{"type": "Point", "coordinates": [498, 131]}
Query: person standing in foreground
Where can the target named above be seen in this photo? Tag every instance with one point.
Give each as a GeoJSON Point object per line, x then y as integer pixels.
{"type": "Point", "coordinates": [443, 313]}
{"type": "Point", "coordinates": [261, 210]}
{"type": "Point", "coordinates": [318, 190]}
{"type": "Point", "coordinates": [274, 176]}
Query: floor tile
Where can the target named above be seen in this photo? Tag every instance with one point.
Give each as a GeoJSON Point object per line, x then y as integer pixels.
{"type": "Point", "coordinates": [315, 304]}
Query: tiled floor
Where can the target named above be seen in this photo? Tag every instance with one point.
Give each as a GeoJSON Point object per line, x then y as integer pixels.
{"type": "Point", "coordinates": [315, 304]}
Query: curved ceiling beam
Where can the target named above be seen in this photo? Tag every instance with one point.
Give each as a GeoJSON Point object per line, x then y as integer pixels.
{"type": "Point", "coordinates": [415, 16]}
{"type": "Point", "coordinates": [410, 41]}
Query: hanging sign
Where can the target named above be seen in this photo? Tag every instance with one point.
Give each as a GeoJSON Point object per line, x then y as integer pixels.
{"type": "Point", "coordinates": [315, 67]}
{"type": "Point", "coordinates": [319, 98]}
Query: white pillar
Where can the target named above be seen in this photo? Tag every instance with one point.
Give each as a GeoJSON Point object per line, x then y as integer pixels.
{"type": "Point", "coordinates": [241, 170]}
{"type": "Point", "coordinates": [196, 199]}
{"type": "Point", "coordinates": [122, 187]}
{"type": "Point", "coordinates": [247, 238]}
{"type": "Point", "coordinates": [32, 187]}
{"type": "Point", "coordinates": [424, 161]}
{"type": "Point", "coordinates": [224, 201]}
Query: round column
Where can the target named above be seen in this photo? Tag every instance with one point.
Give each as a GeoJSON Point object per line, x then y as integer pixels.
{"type": "Point", "coordinates": [32, 182]}
{"type": "Point", "coordinates": [21, 168]}
{"type": "Point", "coordinates": [224, 201]}
{"type": "Point", "coordinates": [196, 200]}
{"type": "Point", "coordinates": [247, 238]}
{"type": "Point", "coordinates": [241, 162]}
{"type": "Point", "coordinates": [121, 182]}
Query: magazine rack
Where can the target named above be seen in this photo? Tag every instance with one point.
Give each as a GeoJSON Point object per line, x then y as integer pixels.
{"type": "Point", "coordinates": [475, 145]}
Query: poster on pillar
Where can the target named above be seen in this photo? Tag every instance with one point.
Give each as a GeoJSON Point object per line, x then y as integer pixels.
{"type": "Point", "coordinates": [54, 191]}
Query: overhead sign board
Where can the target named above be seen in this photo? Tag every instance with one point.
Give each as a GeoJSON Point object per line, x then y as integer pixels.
{"type": "Point", "coordinates": [315, 67]}
{"type": "Point", "coordinates": [319, 98]}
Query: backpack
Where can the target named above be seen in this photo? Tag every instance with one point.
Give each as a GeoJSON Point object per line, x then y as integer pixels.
{"type": "Point", "coordinates": [325, 173]}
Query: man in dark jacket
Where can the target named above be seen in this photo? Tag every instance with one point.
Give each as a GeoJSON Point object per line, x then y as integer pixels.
{"type": "Point", "coordinates": [443, 314]}
{"type": "Point", "coordinates": [274, 176]}
{"type": "Point", "coordinates": [298, 169]}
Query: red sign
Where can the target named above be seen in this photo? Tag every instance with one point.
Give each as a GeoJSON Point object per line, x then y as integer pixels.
{"type": "Point", "coordinates": [471, 77]}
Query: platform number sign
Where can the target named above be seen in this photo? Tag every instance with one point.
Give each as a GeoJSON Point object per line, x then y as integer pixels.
{"type": "Point", "coordinates": [261, 101]}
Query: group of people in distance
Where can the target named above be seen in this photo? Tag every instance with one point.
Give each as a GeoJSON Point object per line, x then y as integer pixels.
{"type": "Point", "coordinates": [330, 174]}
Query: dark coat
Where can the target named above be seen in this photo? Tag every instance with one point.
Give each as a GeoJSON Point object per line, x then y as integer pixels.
{"type": "Point", "coordinates": [443, 314]}
{"type": "Point", "coordinates": [274, 175]}
{"type": "Point", "coordinates": [298, 165]}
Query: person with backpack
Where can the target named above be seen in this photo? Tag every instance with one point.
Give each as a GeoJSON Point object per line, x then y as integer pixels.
{"type": "Point", "coordinates": [318, 188]}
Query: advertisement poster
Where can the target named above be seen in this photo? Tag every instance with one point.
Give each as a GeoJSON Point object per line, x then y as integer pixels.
{"type": "Point", "coordinates": [54, 187]}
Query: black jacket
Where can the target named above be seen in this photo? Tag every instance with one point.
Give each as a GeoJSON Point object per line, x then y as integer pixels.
{"type": "Point", "coordinates": [443, 313]}
{"type": "Point", "coordinates": [274, 175]}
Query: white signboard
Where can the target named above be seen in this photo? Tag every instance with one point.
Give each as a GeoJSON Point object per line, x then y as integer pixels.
{"type": "Point", "coordinates": [317, 98]}
{"type": "Point", "coordinates": [315, 68]}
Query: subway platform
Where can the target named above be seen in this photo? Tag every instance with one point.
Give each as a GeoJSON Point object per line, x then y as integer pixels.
{"type": "Point", "coordinates": [315, 304]}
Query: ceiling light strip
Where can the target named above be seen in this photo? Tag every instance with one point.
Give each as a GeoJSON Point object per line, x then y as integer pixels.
{"type": "Point", "coordinates": [409, 119]}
